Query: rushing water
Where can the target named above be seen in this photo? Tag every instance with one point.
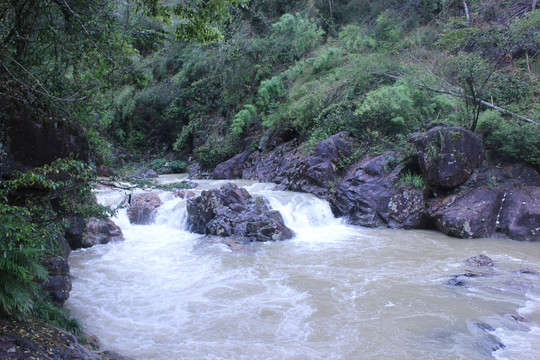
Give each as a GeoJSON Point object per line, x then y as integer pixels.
{"type": "Point", "coordinates": [333, 292]}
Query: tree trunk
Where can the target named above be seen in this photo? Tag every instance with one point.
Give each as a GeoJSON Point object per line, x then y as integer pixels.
{"type": "Point", "coordinates": [466, 8]}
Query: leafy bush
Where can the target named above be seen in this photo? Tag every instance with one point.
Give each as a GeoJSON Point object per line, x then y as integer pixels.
{"type": "Point", "coordinates": [516, 140]}
{"type": "Point", "coordinates": [177, 166]}
{"type": "Point", "coordinates": [158, 163]}
{"type": "Point", "coordinates": [393, 109]}
{"type": "Point", "coordinates": [29, 226]}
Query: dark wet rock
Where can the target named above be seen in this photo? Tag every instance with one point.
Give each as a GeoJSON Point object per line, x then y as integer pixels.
{"type": "Point", "coordinates": [520, 214]}
{"type": "Point", "coordinates": [365, 193]}
{"type": "Point", "coordinates": [479, 261]}
{"type": "Point", "coordinates": [467, 215]}
{"type": "Point", "coordinates": [101, 231]}
{"type": "Point", "coordinates": [292, 168]}
{"type": "Point", "coordinates": [32, 339]}
{"type": "Point", "coordinates": [231, 211]}
{"type": "Point", "coordinates": [61, 245]}
{"type": "Point", "coordinates": [232, 168]}
{"type": "Point", "coordinates": [142, 208]}
{"type": "Point", "coordinates": [75, 231]}
{"type": "Point", "coordinates": [460, 279]}
{"type": "Point", "coordinates": [528, 271]}
{"type": "Point", "coordinates": [407, 208]}
{"type": "Point", "coordinates": [485, 326]}
{"type": "Point", "coordinates": [58, 285]}
{"type": "Point", "coordinates": [448, 156]}
{"type": "Point", "coordinates": [454, 281]}
{"type": "Point", "coordinates": [490, 343]}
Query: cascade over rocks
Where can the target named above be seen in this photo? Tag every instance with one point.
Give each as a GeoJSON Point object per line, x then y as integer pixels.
{"type": "Point", "coordinates": [142, 208]}
{"type": "Point", "coordinates": [232, 211]}
{"type": "Point", "coordinates": [448, 156]}
{"type": "Point", "coordinates": [469, 199]}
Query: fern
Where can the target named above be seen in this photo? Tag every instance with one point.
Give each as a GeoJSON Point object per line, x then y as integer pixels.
{"type": "Point", "coordinates": [243, 119]}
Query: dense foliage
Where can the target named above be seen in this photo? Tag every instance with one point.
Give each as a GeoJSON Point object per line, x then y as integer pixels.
{"type": "Point", "coordinates": [378, 69]}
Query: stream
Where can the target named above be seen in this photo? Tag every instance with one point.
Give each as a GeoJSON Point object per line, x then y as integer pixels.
{"type": "Point", "coordinates": [334, 291]}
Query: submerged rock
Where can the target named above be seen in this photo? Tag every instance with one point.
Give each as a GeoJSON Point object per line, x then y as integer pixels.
{"type": "Point", "coordinates": [232, 211]}
{"type": "Point", "coordinates": [479, 261]}
{"type": "Point", "coordinates": [142, 208]}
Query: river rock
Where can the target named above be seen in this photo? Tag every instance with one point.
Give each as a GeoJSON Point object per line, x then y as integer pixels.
{"type": "Point", "coordinates": [480, 260]}
{"type": "Point", "coordinates": [520, 214]}
{"type": "Point", "coordinates": [448, 156]}
{"type": "Point", "coordinates": [469, 215]}
{"type": "Point", "coordinates": [232, 211]}
{"type": "Point", "coordinates": [101, 231]}
{"type": "Point", "coordinates": [142, 208]}
{"type": "Point", "coordinates": [366, 192]}
{"type": "Point", "coordinates": [58, 285]}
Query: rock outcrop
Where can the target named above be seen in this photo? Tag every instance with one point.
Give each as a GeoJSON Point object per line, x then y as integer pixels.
{"type": "Point", "coordinates": [232, 211]}
{"type": "Point", "coordinates": [365, 193]}
{"type": "Point", "coordinates": [465, 197]}
{"type": "Point", "coordinates": [142, 208]}
{"type": "Point", "coordinates": [501, 200]}
{"type": "Point", "coordinates": [448, 156]}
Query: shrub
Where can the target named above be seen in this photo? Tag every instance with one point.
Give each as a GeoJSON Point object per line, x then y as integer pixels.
{"type": "Point", "coordinates": [511, 138]}
{"type": "Point", "coordinates": [176, 166]}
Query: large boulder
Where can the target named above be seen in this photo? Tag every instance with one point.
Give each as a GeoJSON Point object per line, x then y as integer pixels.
{"type": "Point", "coordinates": [232, 168]}
{"type": "Point", "coordinates": [364, 195]}
{"type": "Point", "coordinates": [232, 211]}
{"type": "Point", "coordinates": [142, 208]}
{"type": "Point", "coordinates": [472, 214]}
{"type": "Point", "coordinates": [448, 155]}
{"type": "Point", "coordinates": [520, 214]}
{"type": "Point", "coordinates": [101, 231]}
{"type": "Point", "coordinates": [38, 139]}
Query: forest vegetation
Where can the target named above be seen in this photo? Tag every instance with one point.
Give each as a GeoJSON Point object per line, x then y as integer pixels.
{"type": "Point", "coordinates": [203, 82]}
